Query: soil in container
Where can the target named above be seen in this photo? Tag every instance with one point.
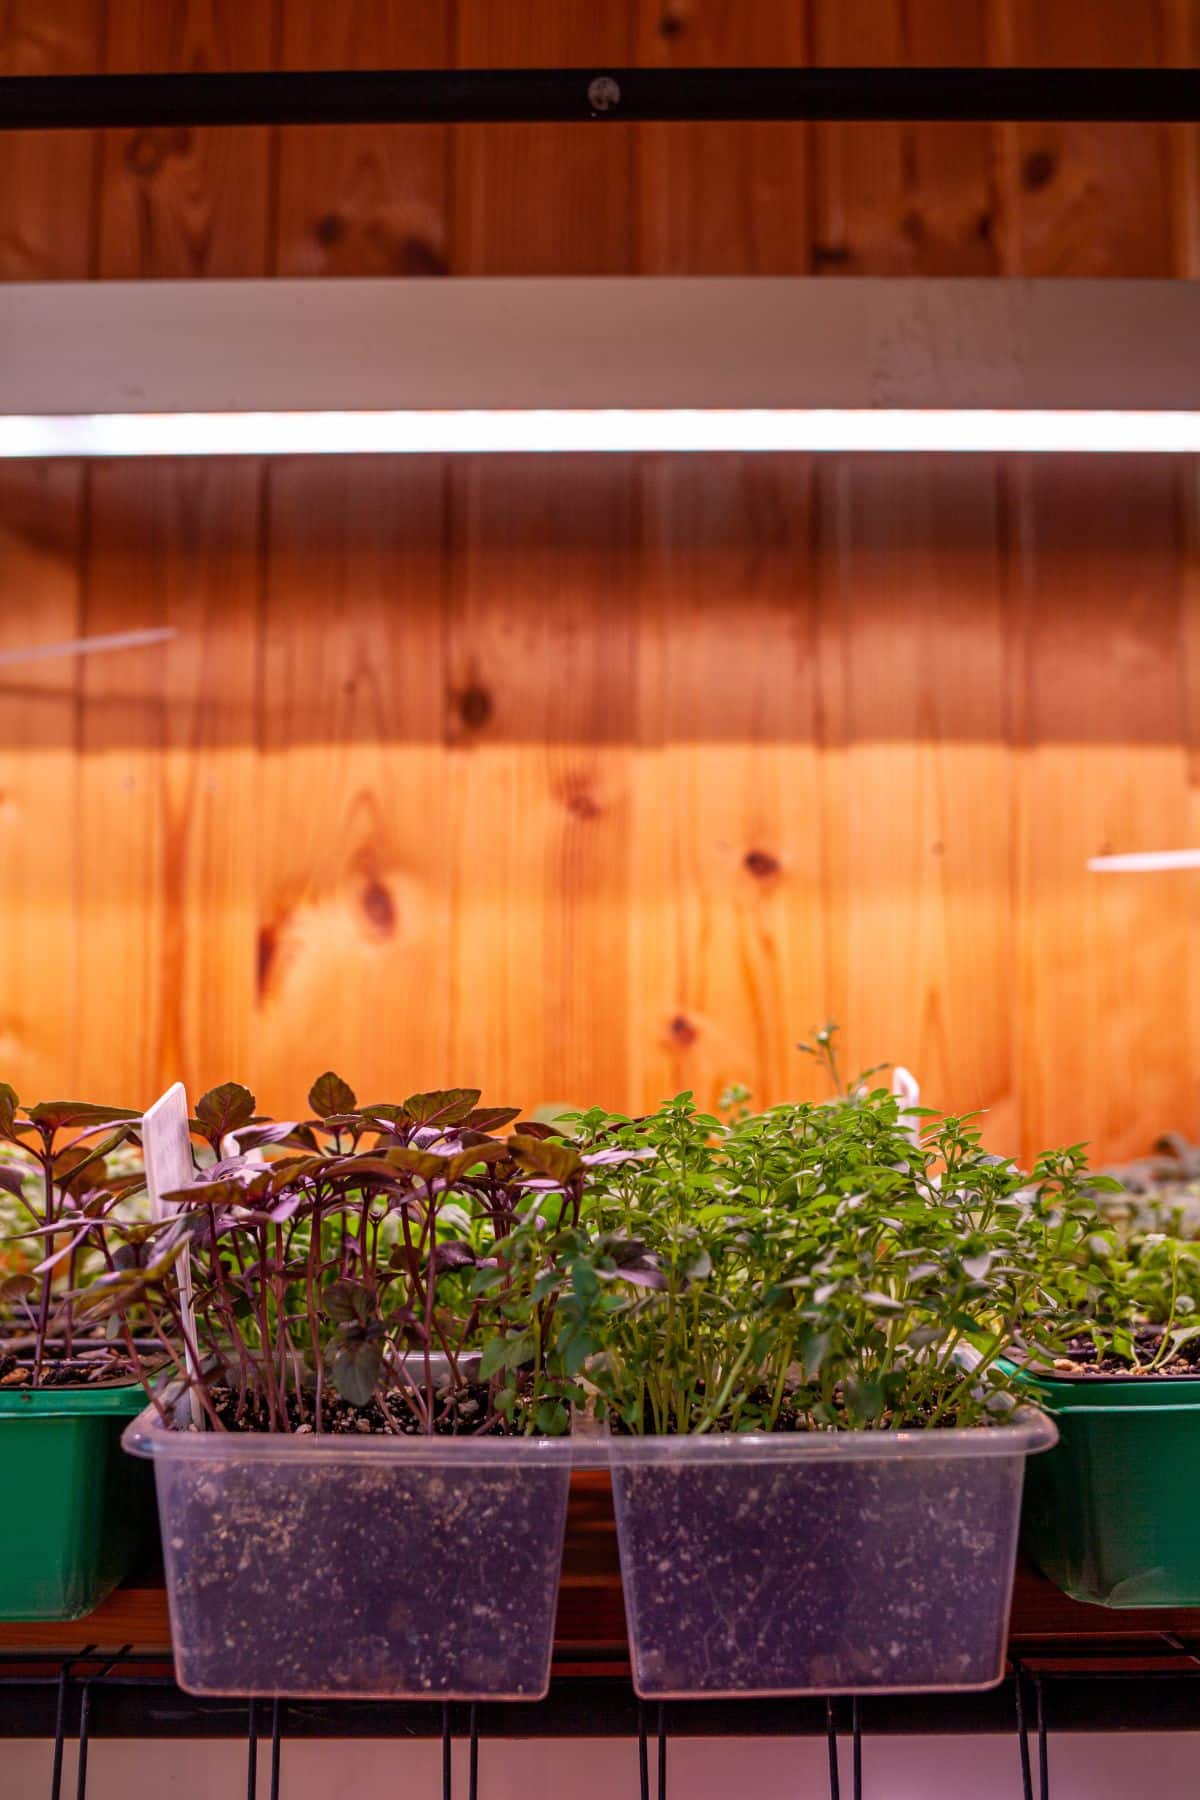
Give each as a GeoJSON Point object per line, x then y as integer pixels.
{"type": "Point", "coordinates": [360, 1563]}
{"type": "Point", "coordinates": [818, 1562]}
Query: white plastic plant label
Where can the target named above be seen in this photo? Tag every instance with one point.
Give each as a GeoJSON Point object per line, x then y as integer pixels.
{"type": "Point", "coordinates": [167, 1146]}
{"type": "Point", "coordinates": [907, 1090]}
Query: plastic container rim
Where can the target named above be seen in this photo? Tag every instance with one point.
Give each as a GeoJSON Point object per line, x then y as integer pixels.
{"type": "Point", "coordinates": [147, 1435]}
{"type": "Point", "coordinates": [118, 1398]}
{"type": "Point", "coordinates": [1029, 1432]}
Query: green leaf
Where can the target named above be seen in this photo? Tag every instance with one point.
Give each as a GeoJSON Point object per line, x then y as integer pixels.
{"type": "Point", "coordinates": [329, 1094]}
{"type": "Point", "coordinates": [356, 1367]}
{"type": "Point", "coordinates": [442, 1106]}
{"type": "Point", "coordinates": [474, 1157]}
{"type": "Point", "coordinates": [577, 1349]}
{"type": "Point", "coordinates": [346, 1301]}
{"type": "Point", "coordinates": [492, 1360]}
{"type": "Point", "coordinates": [421, 1163]}
{"type": "Point", "coordinates": [224, 1109]}
{"type": "Point", "coordinates": [543, 1156]}
{"type": "Point", "coordinates": [491, 1118]}
{"type": "Point", "coordinates": [12, 1180]}
{"type": "Point", "coordinates": [551, 1418]}
{"type": "Point", "coordinates": [56, 1115]}
{"type": "Point", "coordinates": [699, 1265]}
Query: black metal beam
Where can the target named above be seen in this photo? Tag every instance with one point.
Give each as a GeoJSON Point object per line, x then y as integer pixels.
{"type": "Point", "coordinates": [490, 96]}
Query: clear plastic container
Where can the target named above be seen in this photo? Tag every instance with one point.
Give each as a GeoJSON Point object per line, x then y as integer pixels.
{"type": "Point", "coordinates": [372, 1567]}
{"type": "Point", "coordinates": [822, 1562]}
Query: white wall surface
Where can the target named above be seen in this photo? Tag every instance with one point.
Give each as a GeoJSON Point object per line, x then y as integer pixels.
{"type": "Point", "coordinates": [1131, 1766]}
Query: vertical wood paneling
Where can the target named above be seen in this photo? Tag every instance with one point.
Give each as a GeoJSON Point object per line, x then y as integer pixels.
{"type": "Point", "coordinates": [543, 199]}
{"type": "Point", "coordinates": [1181, 20]}
{"type": "Point", "coordinates": [540, 683]}
{"type": "Point", "coordinates": [918, 774]}
{"type": "Point", "coordinates": [538, 634]}
{"type": "Point", "coordinates": [597, 779]}
{"type": "Point", "coordinates": [355, 917]}
{"type": "Point", "coordinates": [353, 837]}
{"type": "Point", "coordinates": [905, 199]}
{"type": "Point", "coordinates": [728, 915]}
{"type": "Point", "coordinates": [729, 908]}
{"type": "Point", "coordinates": [170, 811]}
{"type": "Point", "coordinates": [364, 200]}
{"type": "Point", "coordinates": [919, 845]}
{"type": "Point", "coordinates": [722, 199]}
{"type": "Point", "coordinates": [168, 770]}
{"type": "Point", "coordinates": [1089, 199]}
{"type": "Point", "coordinates": [176, 201]}
{"type": "Point", "coordinates": [1095, 559]}
{"type": "Point", "coordinates": [1104, 958]}
{"type": "Point", "coordinates": [47, 178]}
{"type": "Point", "coordinates": [41, 521]}
{"type": "Point", "coordinates": [46, 234]}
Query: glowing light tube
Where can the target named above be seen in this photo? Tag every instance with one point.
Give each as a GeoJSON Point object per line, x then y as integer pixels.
{"type": "Point", "coordinates": [580, 431]}
{"type": "Point", "coordinates": [1140, 862]}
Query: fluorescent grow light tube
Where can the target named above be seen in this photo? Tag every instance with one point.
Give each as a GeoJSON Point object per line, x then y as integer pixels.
{"type": "Point", "coordinates": [1140, 862]}
{"type": "Point", "coordinates": [675, 429]}
{"type": "Point", "coordinates": [597, 364]}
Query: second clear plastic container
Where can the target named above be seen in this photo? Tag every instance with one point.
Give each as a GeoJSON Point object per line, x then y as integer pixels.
{"type": "Point", "coordinates": [830, 1562]}
{"type": "Point", "coordinates": [382, 1567]}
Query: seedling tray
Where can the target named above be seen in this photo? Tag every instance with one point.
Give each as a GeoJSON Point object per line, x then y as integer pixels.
{"type": "Point", "coordinates": [77, 1510]}
{"type": "Point", "coordinates": [372, 1568]}
{"type": "Point", "coordinates": [820, 1562]}
{"type": "Point", "coordinates": [1109, 1514]}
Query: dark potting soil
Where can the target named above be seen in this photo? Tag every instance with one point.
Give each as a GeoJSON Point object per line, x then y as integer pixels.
{"type": "Point", "coordinates": [327, 1572]}
{"type": "Point", "coordinates": [1082, 1358]}
{"type": "Point", "coordinates": [94, 1368]}
{"type": "Point", "coordinates": [462, 1416]}
{"type": "Point", "coordinates": [816, 1574]}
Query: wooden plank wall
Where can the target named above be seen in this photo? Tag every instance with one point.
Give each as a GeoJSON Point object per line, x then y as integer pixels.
{"type": "Point", "coordinates": [597, 779]}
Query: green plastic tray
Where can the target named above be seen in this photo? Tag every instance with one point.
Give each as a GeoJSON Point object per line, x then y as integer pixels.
{"type": "Point", "coordinates": [77, 1506]}
{"type": "Point", "coordinates": [1110, 1513]}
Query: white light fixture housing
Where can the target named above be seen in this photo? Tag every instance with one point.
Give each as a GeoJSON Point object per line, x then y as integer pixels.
{"type": "Point", "coordinates": [598, 364]}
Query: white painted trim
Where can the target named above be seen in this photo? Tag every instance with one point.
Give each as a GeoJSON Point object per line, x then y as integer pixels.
{"type": "Point", "coordinates": [598, 345]}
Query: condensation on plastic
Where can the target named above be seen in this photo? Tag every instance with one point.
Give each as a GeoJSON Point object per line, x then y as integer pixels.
{"type": "Point", "coordinates": [821, 1562]}
{"type": "Point", "coordinates": [370, 1567]}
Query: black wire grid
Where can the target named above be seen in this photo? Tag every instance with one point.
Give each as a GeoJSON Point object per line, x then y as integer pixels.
{"type": "Point", "coordinates": [128, 1693]}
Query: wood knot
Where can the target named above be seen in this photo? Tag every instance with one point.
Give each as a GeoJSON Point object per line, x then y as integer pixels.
{"type": "Point", "coordinates": [329, 229]}
{"type": "Point", "coordinates": [379, 908]}
{"type": "Point", "coordinates": [474, 706]}
{"type": "Point", "coordinates": [761, 864]}
{"type": "Point", "coordinates": [419, 257]}
{"type": "Point", "coordinates": [682, 1032]}
{"type": "Point", "coordinates": [268, 950]}
{"type": "Point", "coordinates": [1037, 171]}
{"type": "Point", "coordinates": [146, 152]}
{"type": "Point", "coordinates": [579, 799]}
{"type": "Point", "coordinates": [671, 24]}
